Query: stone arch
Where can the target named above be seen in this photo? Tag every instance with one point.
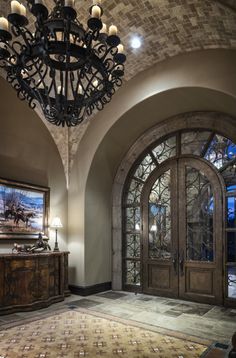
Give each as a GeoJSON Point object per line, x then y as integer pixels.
{"type": "Point", "coordinates": [177, 86]}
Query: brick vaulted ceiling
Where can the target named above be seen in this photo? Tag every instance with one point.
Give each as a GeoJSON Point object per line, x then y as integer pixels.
{"type": "Point", "coordinates": [167, 28]}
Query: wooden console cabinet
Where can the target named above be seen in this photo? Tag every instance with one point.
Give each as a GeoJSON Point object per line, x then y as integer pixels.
{"type": "Point", "coordinates": [32, 281]}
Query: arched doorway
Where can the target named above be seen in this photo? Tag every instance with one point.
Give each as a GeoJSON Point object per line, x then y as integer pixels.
{"type": "Point", "coordinates": [182, 231]}
{"type": "Point", "coordinates": [179, 228]}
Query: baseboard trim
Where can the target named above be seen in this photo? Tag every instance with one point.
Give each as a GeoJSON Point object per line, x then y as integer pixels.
{"type": "Point", "coordinates": [90, 290]}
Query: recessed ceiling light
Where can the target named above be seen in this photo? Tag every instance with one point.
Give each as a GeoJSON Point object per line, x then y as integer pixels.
{"type": "Point", "coordinates": [135, 42]}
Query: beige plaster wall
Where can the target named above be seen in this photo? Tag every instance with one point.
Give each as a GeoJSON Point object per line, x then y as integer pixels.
{"type": "Point", "coordinates": [200, 81]}
{"type": "Point", "coordinates": [29, 154]}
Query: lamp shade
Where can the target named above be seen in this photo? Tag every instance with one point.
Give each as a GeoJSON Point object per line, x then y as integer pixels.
{"type": "Point", "coordinates": [56, 222]}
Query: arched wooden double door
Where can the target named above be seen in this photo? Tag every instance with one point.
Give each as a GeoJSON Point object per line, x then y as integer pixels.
{"type": "Point", "coordinates": [182, 231]}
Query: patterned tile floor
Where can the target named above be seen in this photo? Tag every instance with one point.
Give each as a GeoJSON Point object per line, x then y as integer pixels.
{"type": "Point", "coordinates": [82, 333]}
{"type": "Point", "coordinates": [201, 320]}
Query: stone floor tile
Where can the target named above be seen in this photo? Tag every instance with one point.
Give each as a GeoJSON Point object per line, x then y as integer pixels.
{"type": "Point", "coordinates": [200, 320]}
{"type": "Point", "coordinates": [172, 313]}
{"type": "Point", "coordinates": [85, 303]}
{"type": "Point", "coordinates": [112, 295]}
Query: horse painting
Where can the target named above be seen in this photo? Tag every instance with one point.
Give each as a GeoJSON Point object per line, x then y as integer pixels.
{"type": "Point", "coordinates": [23, 210]}
{"type": "Point", "coordinates": [23, 217]}
{"type": "Point", "coordinates": [9, 212]}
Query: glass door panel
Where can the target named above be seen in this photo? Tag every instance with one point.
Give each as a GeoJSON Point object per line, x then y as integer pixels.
{"type": "Point", "coordinates": [231, 211]}
{"type": "Point", "coordinates": [159, 234]}
{"type": "Point", "coordinates": [199, 216]}
{"type": "Point", "coordinates": [231, 276]}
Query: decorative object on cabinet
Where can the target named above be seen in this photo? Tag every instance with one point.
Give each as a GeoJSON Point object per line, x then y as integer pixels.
{"type": "Point", "coordinates": [56, 223]}
{"type": "Point", "coordinates": [39, 246]}
{"type": "Point", "coordinates": [23, 210]}
{"type": "Point", "coordinates": [32, 281]}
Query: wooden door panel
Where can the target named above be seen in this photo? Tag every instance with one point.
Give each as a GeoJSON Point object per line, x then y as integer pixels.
{"type": "Point", "coordinates": [200, 281]}
{"type": "Point", "coordinates": [159, 277]}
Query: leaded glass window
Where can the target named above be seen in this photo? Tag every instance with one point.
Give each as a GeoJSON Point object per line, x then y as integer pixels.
{"type": "Point", "coordinates": [165, 150]}
{"type": "Point", "coordinates": [132, 270]}
{"type": "Point", "coordinates": [221, 151]}
{"type": "Point", "coordinates": [134, 192]}
{"type": "Point", "coordinates": [145, 168]}
{"type": "Point", "coordinates": [231, 246]}
{"type": "Point", "coordinates": [133, 245]}
{"type": "Point", "coordinates": [160, 218]}
{"type": "Point", "coordinates": [200, 210]}
{"type": "Point", "coordinates": [229, 176]}
{"type": "Point", "coordinates": [231, 275]}
{"type": "Point", "coordinates": [132, 218]}
{"type": "Point", "coordinates": [231, 211]}
{"type": "Point", "coordinates": [194, 142]}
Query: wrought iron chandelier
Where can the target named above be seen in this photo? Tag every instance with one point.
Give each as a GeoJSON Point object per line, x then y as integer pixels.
{"type": "Point", "coordinates": [69, 70]}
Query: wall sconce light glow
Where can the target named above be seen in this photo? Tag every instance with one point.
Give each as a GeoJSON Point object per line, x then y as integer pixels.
{"type": "Point", "coordinates": [135, 42]}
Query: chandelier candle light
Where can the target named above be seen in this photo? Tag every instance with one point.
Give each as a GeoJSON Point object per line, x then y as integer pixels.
{"type": "Point", "coordinates": [69, 70]}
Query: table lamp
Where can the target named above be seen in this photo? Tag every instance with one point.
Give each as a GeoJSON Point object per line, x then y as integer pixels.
{"type": "Point", "coordinates": [56, 223]}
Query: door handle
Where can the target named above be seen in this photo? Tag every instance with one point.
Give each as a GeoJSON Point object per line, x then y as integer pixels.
{"type": "Point", "coordinates": [175, 263]}
{"type": "Point", "coordinates": [181, 264]}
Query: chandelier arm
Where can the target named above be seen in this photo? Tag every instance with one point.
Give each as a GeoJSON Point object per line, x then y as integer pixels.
{"type": "Point", "coordinates": [89, 80]}
{"type": "Point", "coordinates": [71, 77]}
{"type": "Point", "coordinates": [109, 64]}
{"type": "Point", "coordinates": [79, 83]}
{"type": "Point", "coordinates": [62, 82]}
{"type": "Point", "coordinates": [118, 82]}
{"type": "Point", "coordinates": [54, 86]}
{"type": "Point", "coordinates": [38, 95]}
{"type": "Point", "coordinates": [109, 50]}
{"type": "Point", "coordinates": [22, 31]}
{"type": "Point", "coordinates": [20, 45]}
{"type": "Point", "coordinates": [32, 93]}
{"type": "Point", "coordinates": [42, 77]}
{"type": "Point", "coordinates": [4, 61]}
{"type": "Point", "coordinates": [8, 47]}
{"type": "Point", "coordinates": [46, 91]}
{"type": "Point", "coordinates": [67, 34]}
{"type": "Point", "coordinates": [50, 87]}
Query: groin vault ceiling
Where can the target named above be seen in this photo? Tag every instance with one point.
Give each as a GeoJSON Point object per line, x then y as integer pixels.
{"type": "Point", "coordinates": [166, 28]}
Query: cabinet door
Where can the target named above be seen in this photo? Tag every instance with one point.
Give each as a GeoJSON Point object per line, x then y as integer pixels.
{"type": "Point", "coordinates": [20, 281]}
{"type": "Point", "coordinates": [43, 277]}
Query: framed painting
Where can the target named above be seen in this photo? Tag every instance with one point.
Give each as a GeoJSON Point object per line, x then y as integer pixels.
{"type": "Point", "coordinates": [24, 210]}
